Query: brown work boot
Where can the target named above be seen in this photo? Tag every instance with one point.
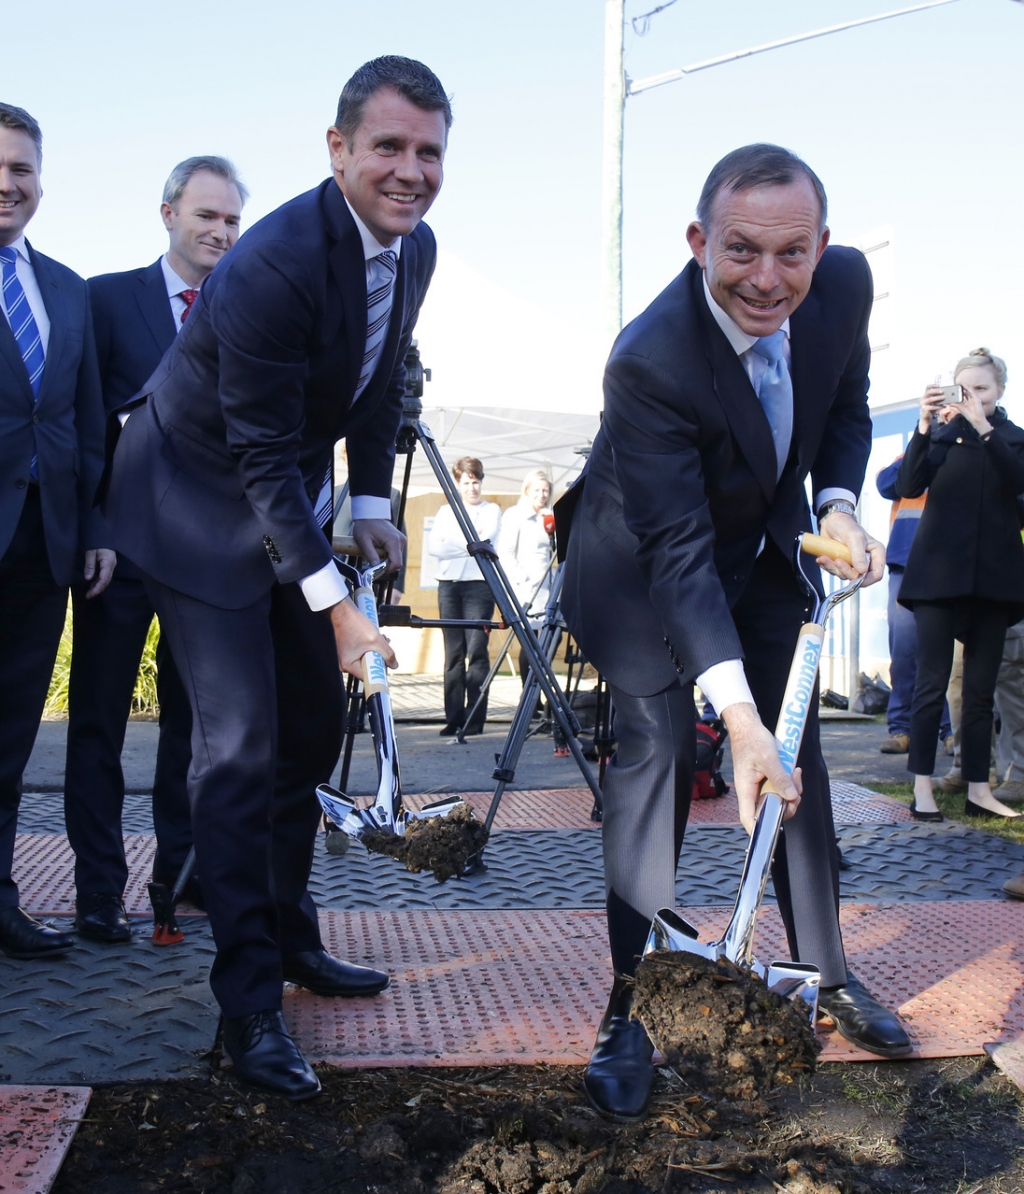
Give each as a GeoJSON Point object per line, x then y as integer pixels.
{"type": "Point", "coordinates": [1010, 791]}
{"type": "Point", "coordinates": [952, 782]}
{"type": "Point", "coordinates": [1015, 886]}
{"type": "Point", "coordinates": [895, 744]}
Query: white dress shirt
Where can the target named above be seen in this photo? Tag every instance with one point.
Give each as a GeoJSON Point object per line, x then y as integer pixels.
{"type": "Point", "coordinates": [27, 277]}
{"type": "Point", "coordinates": [326, 588]}
{"type": "Point", "coordinates": [725, 683]}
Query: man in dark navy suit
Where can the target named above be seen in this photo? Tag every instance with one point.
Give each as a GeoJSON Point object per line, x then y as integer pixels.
{"type": "Point", "coordinates": [221, 490]}
{"type": "Point", "coordinates": [747, 374]}
{"type": "Point", "coordinates": [51, 456]}
{"type": "Point", "coordinates": [136, 316]}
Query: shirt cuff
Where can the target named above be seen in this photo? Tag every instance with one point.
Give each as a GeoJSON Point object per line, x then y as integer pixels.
{"type": "Point", "coordinates": [371, 507]}
{"type": "Point", "coordinates": [834, 495]}
{"type": "Point", "coordinates": [725, 684]}
{"type": "Point", "coordinates": [324, 588]}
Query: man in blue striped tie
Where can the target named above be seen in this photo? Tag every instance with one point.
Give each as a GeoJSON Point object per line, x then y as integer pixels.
{"type": "Point", "coordinates": [51, 455]}
{"type": "Point", "coordinates": [297, 339]}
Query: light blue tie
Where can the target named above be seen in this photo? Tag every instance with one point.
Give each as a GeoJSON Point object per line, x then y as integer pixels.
{"type": "Point", "coordinates": [776, 394]}
{"type": "Point", "coordinates": [25, 329]}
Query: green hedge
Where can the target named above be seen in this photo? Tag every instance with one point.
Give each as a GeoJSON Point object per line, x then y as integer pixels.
{"type": "Point", "coordinates": [144, 698]}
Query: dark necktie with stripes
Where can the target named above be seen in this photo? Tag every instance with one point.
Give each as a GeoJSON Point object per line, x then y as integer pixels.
{"type": "Point", "coordinates": [25, 329]}
{"type": "Point", "coordinates": [381, 272]}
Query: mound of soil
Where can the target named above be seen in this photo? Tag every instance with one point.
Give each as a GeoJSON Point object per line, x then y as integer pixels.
{"type": "Point", "coordinates": [891, 1128]}
{"type": "Point", "coordinates": [441, 845]}
{"type": "Point", "coordinates": [720, 1027]}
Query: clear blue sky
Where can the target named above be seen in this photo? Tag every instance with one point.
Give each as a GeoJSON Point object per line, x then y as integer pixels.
{"type": "Point", "coordinates": [913, 123]}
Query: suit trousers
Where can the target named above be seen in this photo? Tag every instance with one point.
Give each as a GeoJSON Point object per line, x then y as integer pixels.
{"type": "Point", "coordinates": [32, 610]}
{"type": "Point", "coordinates": [650, 778]}
{"type": "Point", "coordinates": [981, 626]}
{"type": "Point", "coordinates": [110, 633]}
{"type": "Point", "coordinates": [266, 696]}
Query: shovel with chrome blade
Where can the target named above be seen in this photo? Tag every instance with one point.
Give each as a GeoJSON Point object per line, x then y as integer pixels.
{"type": "Point", "coordinates": [386, 814]}
{"type": "Point", "coordinates": [669, 931]}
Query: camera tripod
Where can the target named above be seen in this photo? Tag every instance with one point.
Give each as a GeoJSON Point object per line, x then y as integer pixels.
{"type": "Point", "coordinates": [538, 651]}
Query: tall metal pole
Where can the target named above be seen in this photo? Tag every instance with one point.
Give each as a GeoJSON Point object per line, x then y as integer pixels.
{"type": "Point", "coordinates": [611, 182]}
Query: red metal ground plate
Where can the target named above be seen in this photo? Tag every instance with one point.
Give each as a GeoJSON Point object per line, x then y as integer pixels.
{"type": "Point", "coordinates": [491, 988]}
{"type": "Point", "coordinates": [37, 1125]}
{"type": "Point", "coordinates": [569, 808]}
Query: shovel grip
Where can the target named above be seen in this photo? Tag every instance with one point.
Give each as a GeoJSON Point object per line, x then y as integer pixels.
{"type": "Point", "coordinates": [375, 670]}
{"type": "Point", "coordinates": [817, 545]}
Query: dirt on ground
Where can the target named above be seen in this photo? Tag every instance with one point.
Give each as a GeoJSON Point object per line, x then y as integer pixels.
{"type": "Point", "coordinates": [441, 845]}
{"type": "Point", "coordinates": [720, 1028]}
{"type": "Point", "coordinates": [946, 1127]}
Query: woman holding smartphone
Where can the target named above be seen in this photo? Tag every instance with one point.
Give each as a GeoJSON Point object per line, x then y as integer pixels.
{"type": "Point", "coordinates": [965, 573]}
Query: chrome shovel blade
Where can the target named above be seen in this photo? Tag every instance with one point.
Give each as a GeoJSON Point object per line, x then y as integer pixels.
{"type": "Point", "coordinates": [436, 808]}
{"type": "Point", "coordinates": [796, 980]}
{"type": "Point", "coordinates": [355, 822]}
{"type": "Point", "coordinates": [670, 932]}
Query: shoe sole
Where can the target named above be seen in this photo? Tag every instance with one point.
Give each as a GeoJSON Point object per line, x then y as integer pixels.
{"type": "Point", "coordinates": [334, 994]}
{"type": "Point", "coordinates": [281, 1094]}
{"type": "Point", "coordinates": [104, 938]}
{"type": "Point", "coordinates": [892, 1052]}
{"type": "Point", "coordinates": [30, 955]}
{"type": "Point", "coordinates": [611, 1116]}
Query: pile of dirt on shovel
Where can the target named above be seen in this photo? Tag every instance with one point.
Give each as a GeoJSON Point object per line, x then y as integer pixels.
{"type": "Point", "coordinates": [441, 845]}
{"type": "Point", "coordinates": [720, 1028]}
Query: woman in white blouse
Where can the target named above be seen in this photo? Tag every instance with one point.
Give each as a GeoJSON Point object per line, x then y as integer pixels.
{"type": "Point", "coordinates": [524, 545]}
{"type": "Point", "coordinates": [462, 592]}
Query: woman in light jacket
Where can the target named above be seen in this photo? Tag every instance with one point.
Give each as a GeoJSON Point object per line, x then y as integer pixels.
{"type": "Point", "coordinates": [462, 592]}
{"type": "Point", "coordinates": [965, 573]}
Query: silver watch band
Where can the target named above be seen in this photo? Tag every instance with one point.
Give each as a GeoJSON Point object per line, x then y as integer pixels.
{"type": "Point", "coordinates": [834, 505]}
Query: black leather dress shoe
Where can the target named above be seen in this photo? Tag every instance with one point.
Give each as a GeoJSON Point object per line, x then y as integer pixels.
{"type": "Point", "coordinates": [23, 937]}
{"type": "Point", "coordinates": [102, 918]}
{"type": "Point", "coordinates": [266, 1056]}
{"type": "Point", "coordinates": [620, 1073]}
{"type": "Point", "coordinates": [863, 1021]}
{"type": "Point", "coordinates": [318, 972]}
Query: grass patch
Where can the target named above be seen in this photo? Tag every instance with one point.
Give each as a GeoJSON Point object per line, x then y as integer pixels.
{"type": "Point", "coordinates": [952, 808]}
{"type": "Point", "coordinates": [144, 700]}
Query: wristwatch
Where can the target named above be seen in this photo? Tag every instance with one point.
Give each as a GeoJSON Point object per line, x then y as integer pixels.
{"type": "Point", "coordinates": [836, 506]}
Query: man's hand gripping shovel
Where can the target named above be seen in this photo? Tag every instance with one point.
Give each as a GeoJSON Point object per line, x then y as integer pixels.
{"type": "Point", "coordinates": [669, 931]}
{"type": "Point", "coordinates": [387, 813]}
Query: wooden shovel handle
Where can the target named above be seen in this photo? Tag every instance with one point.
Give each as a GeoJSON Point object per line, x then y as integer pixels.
{"type": "Point", "coordinates": [816, 545]}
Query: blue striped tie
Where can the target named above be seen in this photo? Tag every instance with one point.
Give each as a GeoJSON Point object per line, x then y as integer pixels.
{"type": "Point", "coordinates": [23, 323]}
{"type": "Point", "coordinates": [776, 394]}
{"type": "Point", "coordinates": [26, 332]}
{"type": "Point", "coordinates": [381, 272]}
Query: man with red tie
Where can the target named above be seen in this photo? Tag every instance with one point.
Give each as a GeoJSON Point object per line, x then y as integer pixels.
{"type": "Point", "coordinates": [137, 315]}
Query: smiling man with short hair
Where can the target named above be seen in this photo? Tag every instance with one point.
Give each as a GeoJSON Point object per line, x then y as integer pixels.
{"type": "Point", "coordinates": [747, 374]}
{"type": "Point", "coordinates": [221, 490]}
{"type": "Point", "coordinates": [51, 456]}
{"type": "Point", "coordinates": [137, 314]}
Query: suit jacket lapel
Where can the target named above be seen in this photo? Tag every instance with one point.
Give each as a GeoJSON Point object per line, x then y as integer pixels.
{"type": "Point", "coordinates": [155, 307]}
{"type": "Point", "coordinates": [747, 420]}
{"type": "Point", "coordinates": [11, 356]}
{"type": "Point", "coordinates": [809, 363]}
{"type": "Point", "coordinates": [53, 301]}
{"type": "Point", "coordinates": [348, 268]}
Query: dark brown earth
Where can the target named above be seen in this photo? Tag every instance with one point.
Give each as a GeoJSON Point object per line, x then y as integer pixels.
{"type": "Point", "coordinates": [720, 1028]}
{"type": "Point", "coordinates": [946, 1127]}
{"type": "Point", "coordinates": [441, 845]}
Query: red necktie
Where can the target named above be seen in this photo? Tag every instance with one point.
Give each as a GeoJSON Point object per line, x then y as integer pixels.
{"type": "Point", "coordinates": [190, 297]}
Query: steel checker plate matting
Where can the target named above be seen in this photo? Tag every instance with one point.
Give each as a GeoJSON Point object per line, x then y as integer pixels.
{"type": "Point", "coordinates": [525, 987]}
{"type": "Point", "coordinates": [37, 1125]}
{"type": "Point", "coordinates": [559, 808]}
{"type": "Point", "coordinates": [105, 1013]}
{"type": "Point", "coordinates": [563, 869]}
